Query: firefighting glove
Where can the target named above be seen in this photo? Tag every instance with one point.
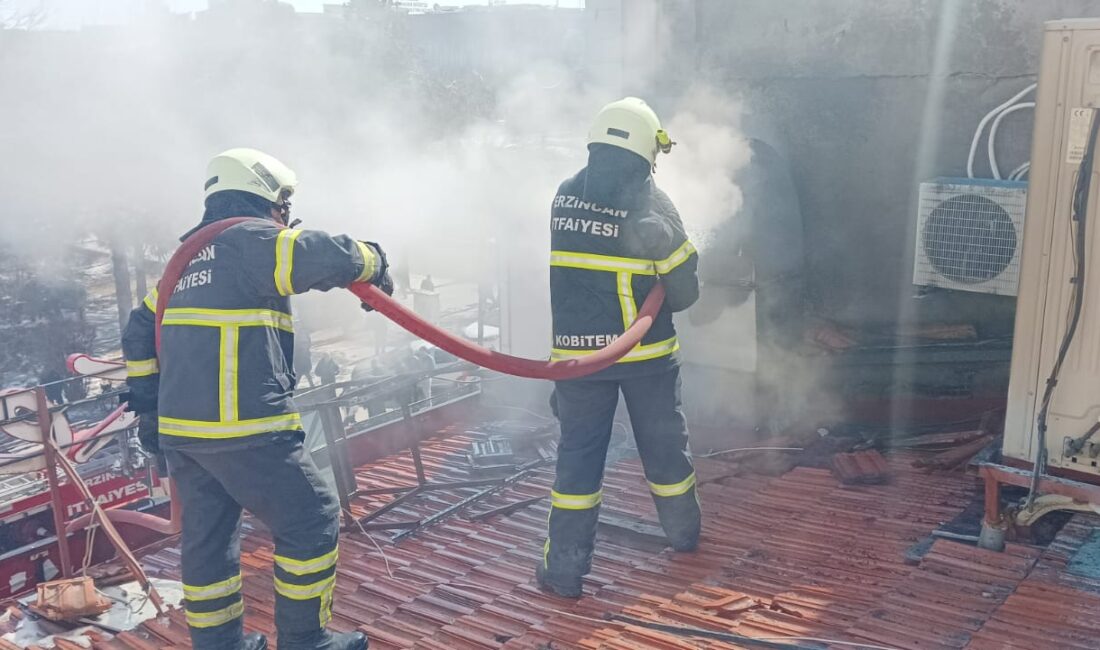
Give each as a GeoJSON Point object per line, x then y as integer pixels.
{"type": "Point", "coordinates": [148, 435]}
{"type": "Point", "coordinates": [381, 278]}
{"type": "Point", "coordinates": [657, 234]}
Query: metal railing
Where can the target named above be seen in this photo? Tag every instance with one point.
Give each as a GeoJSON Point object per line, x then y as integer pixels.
{"type": "Point", "coordinates": [326, 402]}
{"type": "Point", "coordinates": [397, 390]}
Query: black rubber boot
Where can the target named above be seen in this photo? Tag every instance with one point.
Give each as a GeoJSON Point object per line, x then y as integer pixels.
{"type": "Point", "coordinates": [324, 640]}
{"type": "Point", "coordinates": [254, 641]}
{"type": "Point", "coordinates": [558, 585]}
{"type": "Point", "coordinates": [681, 520]}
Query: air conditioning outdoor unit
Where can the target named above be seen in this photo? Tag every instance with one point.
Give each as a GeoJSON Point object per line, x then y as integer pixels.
{"type": "Point", "coordinates": [1067, 99]}
{"type": "Point", "coordinates": [969, 233]}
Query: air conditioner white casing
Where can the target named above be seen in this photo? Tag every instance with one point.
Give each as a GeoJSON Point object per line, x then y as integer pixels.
{"type": "Point", "coordinates": [968, 235]}
{"type": "Point", "coordinates": [1069, 88]}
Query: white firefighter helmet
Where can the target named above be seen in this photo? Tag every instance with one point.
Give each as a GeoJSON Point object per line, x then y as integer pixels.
{"type": "Point", "coordinates": [252, 171]}
{"type": "Point", "coordinates": [632, 125]}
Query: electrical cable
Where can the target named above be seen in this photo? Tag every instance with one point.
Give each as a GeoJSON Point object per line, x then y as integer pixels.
{"type": "Point", "coordinates": [1077, 444]}
{"type": "Point", "coordinates": [133, 607]}
{"type": "Point", "coordinates": [992, 145]}
{"type": "Point", "coordinates": [1081, 193]}
{"type": "Point", "coordinates": [421, 583]}
{"type": "Point", "coordinates": [733, 451]}
{"type": "Point", "coordinates": [985, 120]}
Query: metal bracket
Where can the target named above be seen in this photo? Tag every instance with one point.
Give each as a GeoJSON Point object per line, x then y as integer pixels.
{"type": "Point", "coordinates": [1057, 494]}
{"type": "Point", "coordinates": [1046, 504]}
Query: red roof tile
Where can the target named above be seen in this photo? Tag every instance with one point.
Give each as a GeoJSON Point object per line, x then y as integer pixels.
{"type": "Point", "coordinates": [796, 555]}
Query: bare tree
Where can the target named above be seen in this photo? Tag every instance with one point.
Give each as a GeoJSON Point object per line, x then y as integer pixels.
{"type": "Point", "coordinates": [20, 15]}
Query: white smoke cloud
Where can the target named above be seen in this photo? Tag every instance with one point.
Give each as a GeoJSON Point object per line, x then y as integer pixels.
{"type": "Point", "coordinates": [701, 172]}
{"type": "Point", "coordinates": [111, 130]}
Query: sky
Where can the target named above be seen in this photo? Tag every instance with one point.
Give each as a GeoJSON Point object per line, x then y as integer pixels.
{"type": "Point", "coordinates": [315, 5]}
{"type": "Point", "coordinates": [72, 14]}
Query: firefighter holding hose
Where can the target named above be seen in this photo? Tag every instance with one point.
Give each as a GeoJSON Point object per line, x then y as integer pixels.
{"type": "Point", "coordinates": [614, 236]}
{"type": "Point", "coordinates": [221, 389]}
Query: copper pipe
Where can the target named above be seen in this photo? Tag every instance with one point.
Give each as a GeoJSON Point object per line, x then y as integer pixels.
{"type": "Point", "coordinates": [992, 499]}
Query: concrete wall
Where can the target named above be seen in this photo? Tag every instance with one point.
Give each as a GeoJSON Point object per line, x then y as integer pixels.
{"type": "Point", "coordinates": [866, 99]}
{"type": "Point", "coordinates": [503, 41]}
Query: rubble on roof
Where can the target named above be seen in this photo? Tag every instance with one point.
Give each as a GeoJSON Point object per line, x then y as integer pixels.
{"type": "Point", "coordinates": [866, 467]}
{"type": "Point", "coordinates": [22, 625]}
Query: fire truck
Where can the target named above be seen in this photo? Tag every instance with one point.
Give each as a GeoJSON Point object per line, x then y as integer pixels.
{"type": "Point", "coordinates": [98, 436]}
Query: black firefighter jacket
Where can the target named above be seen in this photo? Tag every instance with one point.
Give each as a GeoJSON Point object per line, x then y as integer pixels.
{"type": "Point", "coordinates": [614, 234]}
{"type": "Point", "coordinates": [225, 372]}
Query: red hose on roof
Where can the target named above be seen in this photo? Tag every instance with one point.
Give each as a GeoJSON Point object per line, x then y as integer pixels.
{"type": "Point", "coordinates": [460, 347]}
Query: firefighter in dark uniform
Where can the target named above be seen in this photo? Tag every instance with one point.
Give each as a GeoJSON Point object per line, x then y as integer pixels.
{"type": "Point", "coordinates": [221, 391]}
{"type": "Point", "coordinates": [614, 236]}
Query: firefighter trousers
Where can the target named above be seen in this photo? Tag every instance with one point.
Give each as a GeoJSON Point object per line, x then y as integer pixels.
{"type": "Point", "coordinates": [586, 410]}
{"type": "Point", "coordinates": [279, 484]}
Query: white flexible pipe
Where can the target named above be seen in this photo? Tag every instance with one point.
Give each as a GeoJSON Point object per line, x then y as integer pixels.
{"type": "Point", "coordinates": [1019, 173]}
{"type": "Point", "coordinates": [985, 120]}
{"type": "Point", "coordinates": [993, 135]}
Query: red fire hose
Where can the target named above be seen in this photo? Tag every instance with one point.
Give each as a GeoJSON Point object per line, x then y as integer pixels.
{"type": "Point", "coordinates": [398, 313]}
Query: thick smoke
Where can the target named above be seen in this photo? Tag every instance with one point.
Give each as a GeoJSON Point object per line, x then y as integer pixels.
{"type": "Point", "coordinates": [443, 138]}
{"type": "Point", "coordinates": [710, 153]}
{"type": "Point", "coordinates": [113, 127]}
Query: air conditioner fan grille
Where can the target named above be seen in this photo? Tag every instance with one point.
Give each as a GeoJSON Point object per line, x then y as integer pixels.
{"type": "Point", "coordinates": [969, 239]}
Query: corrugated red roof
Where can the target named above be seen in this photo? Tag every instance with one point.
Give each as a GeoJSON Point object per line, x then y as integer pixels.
{"type": "Point", "coordinates": [796, 555]}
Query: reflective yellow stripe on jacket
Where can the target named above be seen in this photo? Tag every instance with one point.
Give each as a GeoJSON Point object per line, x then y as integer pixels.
{"type": "Point", "coordinates": [284, 260]}
{"type": "Point", "coordinates": [370, 262]}
{"type": "Point", "coordinates": [150, 301]}
{"type": "Point", "coordinates": [233, 429]}
{"type": "Point", "coordinates": [639, 353]}
{"type": "Point", "coordinates": [627, 304]}
{"type": "Point", "coordinates": [624, 268]}
{"type": "Point", "coordinates": [612, 264]}
{"type": "Point", "coordinates": [678, 257]}
{"type": "Point", "coordinates": [229, 323]}
{"type": "Point", "coordinates": [592, 262]}
{"type": "Point", "coordinates": [228, 318]}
